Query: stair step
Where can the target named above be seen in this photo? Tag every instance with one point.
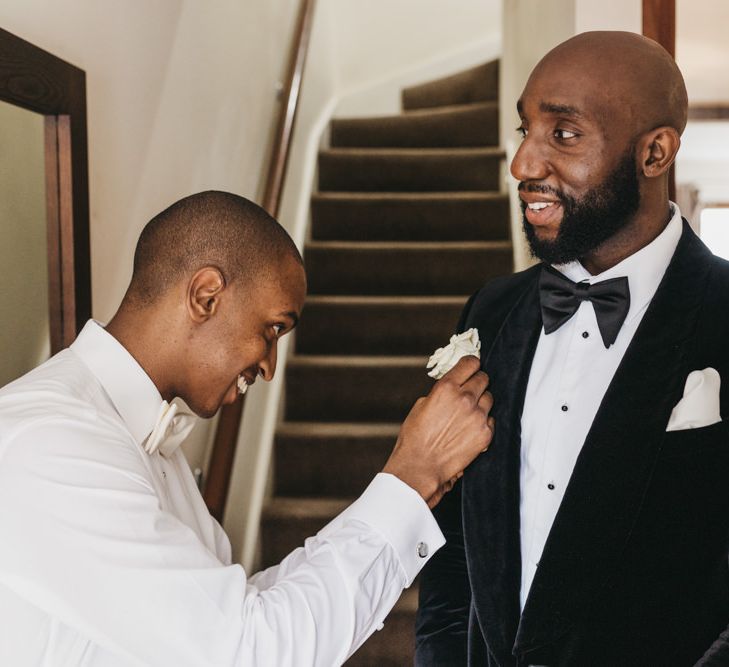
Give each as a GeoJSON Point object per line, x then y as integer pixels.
{"type": "Point", "coordinates": [307, 454]}
{"type": "Point", "coordinates": [345, 325]}
{"type": "Point", "coordinates": [460, 125]}
{"type": "Point", "coordinates": [353, 389]}
{"type": "Point", "coordinates": [393, 646]}
{"type": "Point", "coordinates": [371, 268]}
{"type": "Point", "coordinates": [477, 84]}
{"type": "Point", "coordinates": [409, 169]}
{"type": "Point", "coordinates": [423, 216]}
{"type": "Point", "coordinates": [287, 522]}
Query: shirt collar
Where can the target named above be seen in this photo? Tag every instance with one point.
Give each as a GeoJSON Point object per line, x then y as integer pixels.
{"type": "Point", "coordinates": [134, 395]}
{"type": "Point", "coordinates": [644, 269]}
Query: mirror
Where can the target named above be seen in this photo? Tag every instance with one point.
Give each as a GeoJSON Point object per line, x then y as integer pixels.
{"type": "Point", "coordinates": [23, 256]}
{"type": "Point", "coordinates": [44, 209]}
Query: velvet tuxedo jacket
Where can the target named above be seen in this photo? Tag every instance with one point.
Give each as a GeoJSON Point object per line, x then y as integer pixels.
{"type": "Point", "coordinates": [635, 570]}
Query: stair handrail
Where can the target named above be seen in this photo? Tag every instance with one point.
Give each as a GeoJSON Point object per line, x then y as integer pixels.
{"type": "Point", "coordinates": [220, 466]}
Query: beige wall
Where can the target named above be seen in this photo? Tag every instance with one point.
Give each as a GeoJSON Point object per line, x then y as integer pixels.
{"type": "Point", "coordinates": [24, 333]}
{"type": "Point", "coordinates": [181, 97]}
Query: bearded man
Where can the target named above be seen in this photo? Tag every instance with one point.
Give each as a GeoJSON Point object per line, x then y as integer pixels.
{"type": "Point", "coordinates": [595, 531]}
{"type": "Point", "coordinates": [108, 554]}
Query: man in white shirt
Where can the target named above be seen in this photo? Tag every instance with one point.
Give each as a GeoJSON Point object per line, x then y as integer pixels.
{"type": "Point", "coordinates": [108, 555]}
{"type": "Point", "coordinates": [588, 535]}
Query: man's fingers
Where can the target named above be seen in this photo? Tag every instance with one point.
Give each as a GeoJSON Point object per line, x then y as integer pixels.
{"type": "Point", "coordinates": [464, 369]}
{"type": "Point", "coordinates": [486, 402]}
{"type": "Point", "coordinates": [476, 384]}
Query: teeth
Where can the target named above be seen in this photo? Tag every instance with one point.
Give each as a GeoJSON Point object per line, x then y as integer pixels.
{"type": "Point", "coordinates": [242, 385]}
{"type": "Point", "coordinates": [538, 206]}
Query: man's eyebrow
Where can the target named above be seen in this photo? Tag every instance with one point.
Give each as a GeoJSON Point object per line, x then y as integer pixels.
{"type": "Point", "coordinates": [292, 316]}
{"type": "Point", "coordinates": [560, 109]}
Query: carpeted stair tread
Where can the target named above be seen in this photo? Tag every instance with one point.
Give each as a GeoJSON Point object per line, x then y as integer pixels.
{"type": "Point", "coordinates": [433, 216]}
{"type": "Point", "coordinates": [478, 84]}
{"type": "Point", "coordinates": [380, 325]}
{"type": "Point", "coordinates": [393, 645]}
{"type": "Point", "coordinates": [354, 388]}
{"type": "Point", "coordinates": [409, 169]}
{"type": "Point", "coordinates": [343, 430]}
{"type": "Point", "coordinates": [404, 268]}
{"type": "Point", "coordinates": [287, 522]}
{"type": "Point", "coordinates": [459, 125]}
{"type": "Point", "coordinates": [306, 453]}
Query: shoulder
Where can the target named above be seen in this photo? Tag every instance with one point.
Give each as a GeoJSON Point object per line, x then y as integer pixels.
{"type": "Point", "coordinates": [497, 297]}
{"type": "Point", "coordinates": [56, 421]}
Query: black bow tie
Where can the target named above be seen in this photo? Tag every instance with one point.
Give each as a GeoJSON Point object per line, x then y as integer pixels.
{"type": "Point", "coordinates": [560, 298]}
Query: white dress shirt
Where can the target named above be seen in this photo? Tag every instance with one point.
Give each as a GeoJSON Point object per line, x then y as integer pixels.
{"type": "Point", "coordinates": [108, 555]}
{"type": "Point", "coordinates": [570, 374]}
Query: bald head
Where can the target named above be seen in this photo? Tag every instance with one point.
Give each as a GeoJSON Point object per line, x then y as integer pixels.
{"type": "Point", "coordinates": [628, 77]}
{"type": "Point", "coordinates": [212, 228]}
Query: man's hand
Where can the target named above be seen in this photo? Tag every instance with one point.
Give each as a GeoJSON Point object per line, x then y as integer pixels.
{"type": "Point", "coordinates": [444, 432]}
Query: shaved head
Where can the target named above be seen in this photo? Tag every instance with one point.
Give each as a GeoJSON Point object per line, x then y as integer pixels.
{"type": "Point", "coordinates": [212, 228]}
{"type": "Point", "coordinates": [631, 76]}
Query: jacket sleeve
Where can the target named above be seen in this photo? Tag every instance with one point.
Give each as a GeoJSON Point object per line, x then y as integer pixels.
{"type": "Point", "coordinates": [441, 627]}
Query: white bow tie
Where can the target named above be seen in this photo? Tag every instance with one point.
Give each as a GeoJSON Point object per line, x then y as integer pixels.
{"type": "Point", "coordinates": [172, 427]}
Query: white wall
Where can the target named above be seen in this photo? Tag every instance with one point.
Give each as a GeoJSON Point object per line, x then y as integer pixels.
{"type": "Point", "coordinates": [702, 48]}
{"type": "Point", "coordinates": [181, 97]}
{"type": "Point", "coordinates": [387, 46]}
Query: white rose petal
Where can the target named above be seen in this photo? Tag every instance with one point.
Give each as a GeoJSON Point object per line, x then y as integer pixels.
{"type": "Point", "coordinates": [461, 345]}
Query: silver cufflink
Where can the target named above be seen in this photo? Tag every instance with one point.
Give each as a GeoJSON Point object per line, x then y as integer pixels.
{"type": "Point", "coordinates": [423, 550]}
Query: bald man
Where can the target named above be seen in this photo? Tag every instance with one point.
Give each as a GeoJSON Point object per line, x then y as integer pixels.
{"type": "Point", "coordinates": [108, 555]}
{"type": "Point", "coordinates": [595, 531]}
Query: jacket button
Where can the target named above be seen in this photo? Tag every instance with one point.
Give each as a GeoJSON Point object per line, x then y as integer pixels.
{"type": "Point", "coordinates": [423, 550]}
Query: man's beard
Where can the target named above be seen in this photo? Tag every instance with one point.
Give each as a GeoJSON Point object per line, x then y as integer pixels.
{"type": "Point", "coordinates": [591, 220]}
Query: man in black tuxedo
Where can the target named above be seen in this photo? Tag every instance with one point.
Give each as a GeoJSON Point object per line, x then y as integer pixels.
{"type": "Point", "coordinates": [595, 530]}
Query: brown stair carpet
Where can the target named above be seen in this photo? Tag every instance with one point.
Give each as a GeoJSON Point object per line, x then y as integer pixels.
{"type": "Point", "coordinates": [407, 223]}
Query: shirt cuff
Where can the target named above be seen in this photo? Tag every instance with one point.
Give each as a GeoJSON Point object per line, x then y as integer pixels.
{"type": "Point", "coordinates": [401, 516]}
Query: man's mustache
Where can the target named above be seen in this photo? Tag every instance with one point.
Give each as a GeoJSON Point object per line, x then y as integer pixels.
{"type": "Point", "coordinates": [541, 189]}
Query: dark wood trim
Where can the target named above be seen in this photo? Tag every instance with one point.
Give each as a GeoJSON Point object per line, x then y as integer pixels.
{"type": "Point", "coordinates": [659, 23]}
{"type": "Point", "coordinates": [713, 111]}
{"type": "Point", "coordinates": [220, 467]}
{"type": "Point", "coordinates": [38, 81]}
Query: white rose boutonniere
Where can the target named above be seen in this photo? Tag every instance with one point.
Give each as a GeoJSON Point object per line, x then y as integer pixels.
{"type": "Point", "coordinates": [461, 345]}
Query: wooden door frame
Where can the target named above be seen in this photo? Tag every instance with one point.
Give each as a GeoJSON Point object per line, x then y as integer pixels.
{"type": "Point", "coordinates": [659, 23]}
{"type": "Point", "coordinates": [36, 80]}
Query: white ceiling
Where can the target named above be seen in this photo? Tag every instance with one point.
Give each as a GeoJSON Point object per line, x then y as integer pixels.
{"type": "Point", "coordinates": [702, 48]}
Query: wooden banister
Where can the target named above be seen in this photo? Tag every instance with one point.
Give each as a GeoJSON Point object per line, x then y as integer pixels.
{"type": "Point", "coordinates": [226, 435]}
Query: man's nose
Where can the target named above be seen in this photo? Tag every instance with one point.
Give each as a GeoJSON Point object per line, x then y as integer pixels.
{"type": "Point", "coordinates": [529, 163]}
{"type": "Point", "coordinates": [267, 367]}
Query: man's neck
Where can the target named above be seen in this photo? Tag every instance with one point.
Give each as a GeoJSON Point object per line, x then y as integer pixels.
{"type": "Point", "coordinates": [136, 331]}
{"type": "Point", "coordinates": [642, 230]}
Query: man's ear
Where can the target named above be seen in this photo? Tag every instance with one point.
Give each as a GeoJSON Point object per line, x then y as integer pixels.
{"type": "Point", "coordinates": [657, 150]}
{"type": "Point", "coordinates": [203, 293]}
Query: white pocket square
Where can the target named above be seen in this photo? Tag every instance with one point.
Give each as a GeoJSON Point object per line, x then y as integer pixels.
{"type": "Point", "coordinates": [700, 403]}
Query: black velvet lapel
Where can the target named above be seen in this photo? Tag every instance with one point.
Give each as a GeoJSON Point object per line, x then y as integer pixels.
{"type": "Point", "coordinates": [491, 483]}
{"type": "Point", "coordinates": [614, 468]}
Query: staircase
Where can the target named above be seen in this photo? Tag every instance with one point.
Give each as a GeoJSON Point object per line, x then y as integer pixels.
{"type": "Point", "coordinates": [407, 223]}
